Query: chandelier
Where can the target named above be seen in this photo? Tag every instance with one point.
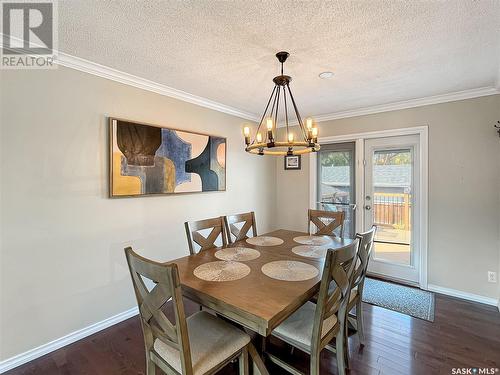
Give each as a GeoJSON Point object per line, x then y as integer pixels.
{"type": "Point", "coordinates": [264, 143]}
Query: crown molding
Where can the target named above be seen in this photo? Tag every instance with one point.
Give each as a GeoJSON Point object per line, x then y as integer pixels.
{"type": "Point", "coordinates": [405, 104]}
{"type": "Point", "coordinates": [87, 66]}
{"type": "Point", "coordinates": [90, 67]}
{"type": "Point", "coordinates": [412, 103]}
{"type": "Point", "coordinates": [103, 71]}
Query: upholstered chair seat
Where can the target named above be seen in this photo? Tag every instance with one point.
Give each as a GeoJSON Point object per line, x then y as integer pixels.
{"type": "Point", "coordinates": [212, 341]}
{"type": "Point", "coordinates": [297, 330]}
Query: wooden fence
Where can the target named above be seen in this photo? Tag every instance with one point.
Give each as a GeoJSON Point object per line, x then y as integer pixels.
{"type": "Point", "coordinates": [392, 209]}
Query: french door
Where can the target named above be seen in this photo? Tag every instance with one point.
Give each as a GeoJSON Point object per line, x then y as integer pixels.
{"type": "Point", "coordinates": [336, 182]}
{"type": "Point", "coordinates": [391, 181]}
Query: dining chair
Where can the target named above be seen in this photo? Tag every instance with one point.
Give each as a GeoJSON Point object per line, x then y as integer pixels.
{"type": "Point", "coordinates": [248, 221]}
{"type": "Point", "coordinates": [215, 229]}
{"type": "Point", "coordinates": [364, 252]}
{"type": "Point", "coordinates": [200, 344]}
{"type": "Point", "coordinates": [313, 326]}
{"type": "Point", "coordinates": [326, 222]}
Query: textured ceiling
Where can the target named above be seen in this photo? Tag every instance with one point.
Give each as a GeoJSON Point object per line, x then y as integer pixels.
{"type": "Point", "coordinates": [380, 51]}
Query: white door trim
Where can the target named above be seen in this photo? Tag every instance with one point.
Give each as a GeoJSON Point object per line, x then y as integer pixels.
{"type": "Point", "coordinates": [423, 132]}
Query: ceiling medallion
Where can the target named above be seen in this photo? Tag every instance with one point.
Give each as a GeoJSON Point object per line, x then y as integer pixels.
{"type": "Point", "coordinates": [307, 139]}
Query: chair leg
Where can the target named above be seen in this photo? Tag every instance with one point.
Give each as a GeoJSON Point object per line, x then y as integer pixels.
{"type": "Point", "coordinates": [263, 344]}
{"type": "Point", "coordinates": [150, 367]}
{"type": "Point", "coordinates": [346, 345]}
{"type": "Point", "coordinates": [315, 363]}
{"type": "Point", "coordinates": [340, 353]}
{"type": "Point", "coordinates": [243, 362]}
{"type": "Point", "coordinates": [359, 322]}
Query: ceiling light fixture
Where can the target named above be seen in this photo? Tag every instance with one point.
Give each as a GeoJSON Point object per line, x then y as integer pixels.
{"type": "Point", "coordinates": [294, 144]}
{"type": "Point", "coordinates": [326, 75]}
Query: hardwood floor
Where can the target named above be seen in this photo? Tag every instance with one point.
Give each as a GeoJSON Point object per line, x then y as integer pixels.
{"type": "Point", "coordinates": [463, 335]}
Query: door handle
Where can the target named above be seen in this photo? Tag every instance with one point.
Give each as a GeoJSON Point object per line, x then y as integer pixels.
{"type": "Point", "coordinates": [368, 207]}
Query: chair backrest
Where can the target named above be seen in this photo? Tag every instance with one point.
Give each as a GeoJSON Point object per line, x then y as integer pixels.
{"type": "Point", "coordinates": [365, 249]}
{"type": "Point", "coordinates": [326, 222]}
{"type": "Point", "coordinates": [155, 325]}
{"type": "Point", "coordinates": [248, 220]}
{"type": "Point", "coordinates": [193, 228]}
{"type": "Point", "coordinates": [339, 269]}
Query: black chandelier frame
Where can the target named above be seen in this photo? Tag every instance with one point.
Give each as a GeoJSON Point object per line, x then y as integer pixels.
{"type": "Point", "coordinates": [268, 145]}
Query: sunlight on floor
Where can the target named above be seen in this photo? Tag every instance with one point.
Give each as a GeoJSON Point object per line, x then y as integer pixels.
{"type": "Point", "coordinates": [393, 253]}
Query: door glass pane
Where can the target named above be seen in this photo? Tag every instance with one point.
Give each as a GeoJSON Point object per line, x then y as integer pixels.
{"type": "Point", "coordinates": [392, 188]}
{"type": "Point", "coordinates": [336, 182]}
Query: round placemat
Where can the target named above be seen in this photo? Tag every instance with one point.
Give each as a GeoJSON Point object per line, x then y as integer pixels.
{"type": "Point", "coordinates": [289, 270]}
{"type": "Point", "coordinates": [264, 241]}
{"type": "Point", "coordinates": [310, 251]}
{"type": "Point", "coordinates": [313, 240]}
{"type": "Point", "coordinates": [221, 271]}
{"type": "Point", "coordinates": [237, 254]}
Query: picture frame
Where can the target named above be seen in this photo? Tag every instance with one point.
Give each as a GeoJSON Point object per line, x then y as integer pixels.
{"type": "Point", "coordinates": [151, 160]}
{"type": "Point", "coordinates": [292, 162]}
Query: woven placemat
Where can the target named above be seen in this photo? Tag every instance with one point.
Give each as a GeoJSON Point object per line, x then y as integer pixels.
{"type": "Point", "coordinates": [313, 240]}
{"type": "Point", "coordinates": [289, 270]}
{"type": "Point", "coordinates": [221, 271]}
{"type": "Point", "coordinates": [310, 251]}
{"type": "Point", "coordinates": [264, 241]}
{"type": "Point", "coordinates": [237, 254]}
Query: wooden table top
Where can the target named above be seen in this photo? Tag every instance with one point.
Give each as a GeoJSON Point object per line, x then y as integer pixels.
{"type": "Point", "coordinates": [255, 301]}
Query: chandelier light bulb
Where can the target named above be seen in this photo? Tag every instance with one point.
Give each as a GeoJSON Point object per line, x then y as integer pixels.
{"type": "Point", "coordinates": [246, 132]}
{"type": "Point", "coordinates": [315, 132]}
{"type": "Point", "coordinates": [290, 137]}
{"type": "Point", "coordinates": [309, 123]}
{"type": "Point", "coordinates": [259, 138]}
{"type": "Point", "coordinates": [269, 124]}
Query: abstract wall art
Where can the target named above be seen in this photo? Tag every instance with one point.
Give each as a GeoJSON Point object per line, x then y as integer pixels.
{"type": "Point", "coordinates": [148, 160]}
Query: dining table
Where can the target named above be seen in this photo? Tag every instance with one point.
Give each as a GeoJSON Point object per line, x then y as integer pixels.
{"type": "Point", "coordinates": [254, 300]}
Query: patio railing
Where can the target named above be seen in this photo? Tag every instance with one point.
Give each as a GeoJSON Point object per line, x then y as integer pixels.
{"type": "Point", "coordinates": [392, 209]}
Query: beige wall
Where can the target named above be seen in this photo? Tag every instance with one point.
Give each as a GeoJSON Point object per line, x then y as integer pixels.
{"type": "Point", "coordinates": [464, 181]}
{"type": "Point", "coordinates": [62, 239]}
{"type": "Point", "coordinates": [62, 244]}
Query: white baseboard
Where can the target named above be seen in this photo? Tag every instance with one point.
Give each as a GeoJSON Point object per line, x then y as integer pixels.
{"type": "Point", "coordinates": [464, 295]}
{"type": "Point", "coordinates": [32, 354]}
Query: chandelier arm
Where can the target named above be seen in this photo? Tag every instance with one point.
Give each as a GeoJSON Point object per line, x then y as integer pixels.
{"type": "Point", "coordinates": [276, 87]}
{"type": "Point", "coordinates": [277, 106]}
{"type": "Point", "coordinates": [297, 113]}
{"type": "Point", "coordinates": [286, 113]}
{"type": "Point", "coordinates": [265, 111]}
{"type": "Point", "coordinates": [274, 102]}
